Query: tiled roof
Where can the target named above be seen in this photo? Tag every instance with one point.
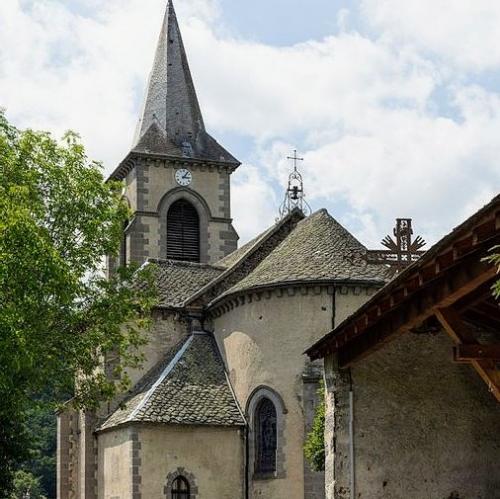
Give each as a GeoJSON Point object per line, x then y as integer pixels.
{"type": "Point", "coordinates": [188, 387]}
{"type": "Point", "coordinates": [318, 249]}
{"type": "Point", "coordinates": [243, 260]}
{"type": "Point", "coordinates": [176, 281]}
{"type": "Point", "coordinates": [172, 104]}
{"type": "Point", "coordinates": [234, 257]}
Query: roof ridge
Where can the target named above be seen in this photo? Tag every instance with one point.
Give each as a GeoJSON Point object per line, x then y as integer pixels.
{"type": "Point", "coordinates": [228, 271]}
{"type": "Point", "coordinates": [319, 249]}
{"type": "Point", "coordinates": [161, 378]}
{"type": "Point", "coordinates": [183, 263]}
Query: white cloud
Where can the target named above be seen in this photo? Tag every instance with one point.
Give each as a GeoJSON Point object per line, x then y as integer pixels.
{"type": "Point", "coordinates": [463, 32]}
{"type": "Point", "coordinates": [365, 111]}
{"type": "Point", "coordinates": [266, 91]}
{"type": "Point", "coordinates": [253, 201]}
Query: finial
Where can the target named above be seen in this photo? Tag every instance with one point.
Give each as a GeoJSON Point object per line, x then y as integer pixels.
{"type": "Point", "coordinates": [294, 195]}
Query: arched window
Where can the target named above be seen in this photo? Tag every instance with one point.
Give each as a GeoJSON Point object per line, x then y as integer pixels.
{"type": "Point", "coordinates": [265, 436]}
{"type": "Point", "coordinates": [183, 232]}
{"type": "Point", "coordinates": [180, 488]}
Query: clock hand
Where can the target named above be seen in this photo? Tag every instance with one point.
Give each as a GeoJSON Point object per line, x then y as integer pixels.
{"type": "Point", "coordinates": [186, 175]}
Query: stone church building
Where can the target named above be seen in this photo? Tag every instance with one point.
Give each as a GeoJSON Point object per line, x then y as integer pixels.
{"type": "Point", "coordinates": [223, 401]}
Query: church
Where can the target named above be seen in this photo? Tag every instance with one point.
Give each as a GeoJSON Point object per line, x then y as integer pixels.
{"type": "Point", "coordinates": [223, 401]}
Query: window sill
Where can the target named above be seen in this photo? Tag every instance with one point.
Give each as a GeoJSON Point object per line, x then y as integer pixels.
{"type": "Point", "coordinates": [267, 476]}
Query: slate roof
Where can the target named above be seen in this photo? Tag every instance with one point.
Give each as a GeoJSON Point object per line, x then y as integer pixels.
{"type": "Point", "coordinates": [176, 281]}
{"type": "Point", "coordinates": [239, 262]}
{"type": "Point", "coordinates": [171, 121]}
{"type": "Point", "coordinates": [188, 387]}
{"type": "Point", "coordinates": [318, 249]}
{"type": "Point", "coordinates": [240, 253]}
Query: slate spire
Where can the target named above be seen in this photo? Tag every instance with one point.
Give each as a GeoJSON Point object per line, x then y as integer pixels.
{"type": "Point", "coordinates": [170, 95]}
{"type": "Point", "coordinates": [171, 121]}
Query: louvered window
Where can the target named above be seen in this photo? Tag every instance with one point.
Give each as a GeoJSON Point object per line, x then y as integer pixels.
{"type": "Point", "coordinates": [183, 232]}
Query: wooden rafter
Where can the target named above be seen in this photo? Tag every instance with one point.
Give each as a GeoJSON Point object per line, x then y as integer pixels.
{"type": "Point", "coordinates": [455, 327]}
{"type": "Point", "coordinates": [467, 353]}
{"type": "Point", "coordinates": [452, 273]}
{"type": "Point", "coordinates": [442, 292]}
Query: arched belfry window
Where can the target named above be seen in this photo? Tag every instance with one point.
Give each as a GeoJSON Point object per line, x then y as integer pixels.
{"type": "Point", "coordinates": [183, 232]}
{"type": "Point", "coordinates": [180, 488]}
{"type": "Point", "coordinates": [266, 437]}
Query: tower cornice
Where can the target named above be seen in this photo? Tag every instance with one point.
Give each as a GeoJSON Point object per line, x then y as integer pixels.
{"type": "Point", "coordinates": [129, 163]}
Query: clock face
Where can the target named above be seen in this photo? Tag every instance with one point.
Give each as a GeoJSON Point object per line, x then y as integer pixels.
{"type": "Point", "coordinates": [183, 176]}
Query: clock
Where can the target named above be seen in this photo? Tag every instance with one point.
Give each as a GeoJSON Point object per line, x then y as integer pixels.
{"type": "Point", "coordinates": [183, 176]}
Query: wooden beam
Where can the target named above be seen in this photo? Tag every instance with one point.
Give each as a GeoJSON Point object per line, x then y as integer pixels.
{"type": "Point", "coordinates": [452, 323]}
{"type": "Point", "coordinates": [458, 331]}
{"type": "Point", "coordinates": [452, 285]}
{"type": "Point", "coordinates": [473, 316]}
{"type": "Point", "coordinates": [467, 353]}
{"type": "Point", "coordinates": [482, 293]}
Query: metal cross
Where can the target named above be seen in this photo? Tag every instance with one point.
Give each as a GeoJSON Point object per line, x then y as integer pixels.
{"type": "Point", "coordinates": [295, 158]}
{"type": "Point", "coordinates": [402, 250]}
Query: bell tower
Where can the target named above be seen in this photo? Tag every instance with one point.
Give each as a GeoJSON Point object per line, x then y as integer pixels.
{"type": "Point", "coordinates": [177, 177]}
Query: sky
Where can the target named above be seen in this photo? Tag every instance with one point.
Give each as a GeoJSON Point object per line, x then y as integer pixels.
{"type": "Point", "coordinates": [394, 106]}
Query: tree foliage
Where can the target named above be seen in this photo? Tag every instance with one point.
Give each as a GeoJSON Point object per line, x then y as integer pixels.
{"type": "Point", "coordinates": [42, 434]}
{"type": "Point", "coordinates": [26, 485]}
{"type": "Point", "coordinates": [59, 314]}
{"type": "Point", "coordinates": [314, 447]}
{"type": "Point", "coordinates": [495, 259]}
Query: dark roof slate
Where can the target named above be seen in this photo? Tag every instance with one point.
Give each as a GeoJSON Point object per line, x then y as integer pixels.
{"type": "Point", "coordinates": [188, 387]}
{"type": "Point", "coordinates": [318, 249]}
{"type": "Point", "coordinates": [240, 253]}
{"type": "Point", "coordinates": [176, 281]}
{"type": "Point", "coordinates": [155, 141]}
{"type": "Point", "coordinates": [172, 106]}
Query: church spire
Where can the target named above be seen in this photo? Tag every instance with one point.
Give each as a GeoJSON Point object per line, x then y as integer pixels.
{"type": "Point", "coordinates": [171, 107]}
{"type": "Point", "coordinates": [170, 96]}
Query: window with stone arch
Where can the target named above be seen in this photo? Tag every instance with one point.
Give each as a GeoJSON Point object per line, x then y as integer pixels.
{"type": "Point", "coordinates": [183, 232]}
{"type": "Point", "coordinates": [266, 416]}
{"type": "Point", "coordinates": [180, 485]}
{"type": "Point", "coordinates": [180, 488]}
{"type": "Point", "coordinates": [266, 437]}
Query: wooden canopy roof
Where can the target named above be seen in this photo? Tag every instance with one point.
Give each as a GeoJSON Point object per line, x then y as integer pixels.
{"type": "Point", "coordinates": [448, 288]}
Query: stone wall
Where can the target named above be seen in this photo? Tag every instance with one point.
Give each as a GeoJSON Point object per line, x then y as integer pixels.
{"type": "Point", "coordinates": [141, 462]}
{"type": "Point", "coordinates": [63, 453]}
{"type": "Point", "coordinates": [423, 425]}
{"type": "Point", "coordinates": [314, 481]}
{"type": "Point", "coordinates": [262, 340]}
{"type": "Point", "coordinates": [115, 453]}
{"type": "Point", "coordinates": [150, 188]}
{"type": "Point", "coordinates": [168, 329]}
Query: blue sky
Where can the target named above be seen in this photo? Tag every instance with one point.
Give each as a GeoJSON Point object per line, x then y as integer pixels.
{"type": "Point", "coordinates": [394, 105]}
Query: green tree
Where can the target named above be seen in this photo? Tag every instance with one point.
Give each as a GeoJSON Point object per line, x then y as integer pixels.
{"type": "Point", "coordinates": [59, 314]}
{"type": "Point", "coordinates": [26, 486]}
{"type": "Point", "coordinates": [42, 435]}
{"type": "Point", "coordinates": [314, 447]}
{"type": "Point", "coordinates": [495, 259]}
